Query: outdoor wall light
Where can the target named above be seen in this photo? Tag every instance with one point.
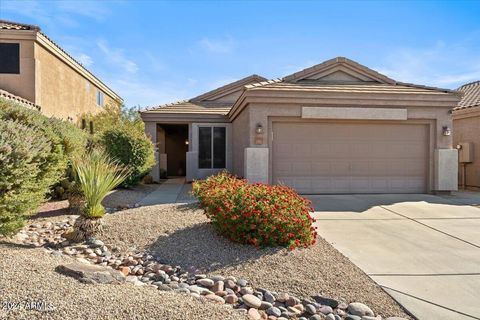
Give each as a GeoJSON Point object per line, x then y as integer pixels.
{"type": "Point", "coordinates": [186, 142]}
{"type": "Point", "coordinates": [259, 128]}
{"type": "Point", "coordinates": [446, 131]}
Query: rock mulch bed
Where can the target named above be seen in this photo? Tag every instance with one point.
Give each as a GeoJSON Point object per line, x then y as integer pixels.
{"type": "Point", "coordinates": [144, 269]}
{"type": "Point", "coordinates": [28, 276]}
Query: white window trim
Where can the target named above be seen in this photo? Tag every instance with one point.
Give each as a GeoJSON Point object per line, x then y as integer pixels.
{"type": "Point", "coordinates": [203, 172]}
{"type": "Point", "coordinates": [102, 98]}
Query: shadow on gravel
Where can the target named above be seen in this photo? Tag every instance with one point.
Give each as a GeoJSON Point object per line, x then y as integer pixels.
{"type": "Point", "coordinates": [51, 213]}
{"type": "Point", "coordinates": [188, 206]}
{"type": "Point", "coordinates": [16, 245]}
{"type": "Point", "coordinates": [200, 247]}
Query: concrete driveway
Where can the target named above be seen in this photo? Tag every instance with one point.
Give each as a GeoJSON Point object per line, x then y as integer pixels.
{"type": "Point", "coordinates": [424, 250]}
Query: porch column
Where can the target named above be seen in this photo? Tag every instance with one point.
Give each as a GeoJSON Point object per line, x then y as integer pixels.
{"type": "Point", "coordinates": [151, 132]}
{"type": "Point", "coordinates": [256, 165]}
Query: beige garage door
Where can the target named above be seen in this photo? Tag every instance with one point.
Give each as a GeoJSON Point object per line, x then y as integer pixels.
{"type": "Point", "coordinates": [351, 157]}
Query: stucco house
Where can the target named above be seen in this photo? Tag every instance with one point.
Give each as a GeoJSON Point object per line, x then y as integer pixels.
{"type": "Point", "coordinates": [336, 127]}
{"type": "Point", "coordinates": [466, 135]}
{"type": "Point", "coordinates": [35, 68]}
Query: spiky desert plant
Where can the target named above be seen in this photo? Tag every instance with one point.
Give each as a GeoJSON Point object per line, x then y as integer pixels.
{"type": "Point", "coordinates": [97, 175]}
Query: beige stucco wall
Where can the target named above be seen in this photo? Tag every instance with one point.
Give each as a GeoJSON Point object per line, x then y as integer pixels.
{"type": "Point", "coordinates": [467, 129]}
{"type": "Point", "coordinates": [241, 140]}
{"type": "Point", "coordinates": [435, 117]}
{"type": "Point", "coordinates": [23, 84]}
{"type": "Point", "coordinates": [61, 91]}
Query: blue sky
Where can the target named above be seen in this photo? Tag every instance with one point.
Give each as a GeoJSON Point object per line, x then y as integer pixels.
{"type": "Point", "coordinates": [154, 52]}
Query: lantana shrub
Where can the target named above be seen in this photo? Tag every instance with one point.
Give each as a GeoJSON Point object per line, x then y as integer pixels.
{"type": "Point", "coordinates": [257, 214]}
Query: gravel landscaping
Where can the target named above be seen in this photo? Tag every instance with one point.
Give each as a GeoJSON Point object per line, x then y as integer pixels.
{"type": "Point", "coordinates": [29, 275]}
{"type": "Point", "coordinates": [180, 235]}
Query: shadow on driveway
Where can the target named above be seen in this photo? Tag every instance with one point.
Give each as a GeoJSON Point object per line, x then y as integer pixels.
{"type": "Point", "coordinates": [363, 202]}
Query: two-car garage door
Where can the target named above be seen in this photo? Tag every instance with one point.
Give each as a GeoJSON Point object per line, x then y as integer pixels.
{"type": "Point", "coordinates": [327, 157]}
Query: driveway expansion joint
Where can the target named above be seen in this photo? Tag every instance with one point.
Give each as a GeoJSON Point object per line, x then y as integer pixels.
{"type": "Point", "coordinates": [430, 227]}
{"type": "Point", "coordinates": [430, 302]}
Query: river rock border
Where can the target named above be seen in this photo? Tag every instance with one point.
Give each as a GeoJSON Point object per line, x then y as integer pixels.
{"type": "Point", "coordinates": [143, 269]}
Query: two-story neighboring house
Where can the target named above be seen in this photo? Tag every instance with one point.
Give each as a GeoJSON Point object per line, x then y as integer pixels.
{"type": "Point", "coordinates": [35, 68]}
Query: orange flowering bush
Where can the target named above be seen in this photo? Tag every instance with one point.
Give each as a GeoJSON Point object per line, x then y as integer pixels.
{"type": "Point", "coordinates": [258, 214]}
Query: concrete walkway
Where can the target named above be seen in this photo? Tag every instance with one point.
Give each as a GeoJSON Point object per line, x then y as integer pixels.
{"type": "Point", "coordinates": [424, 250]}
{"type": "Point", "coordinates": [173, 190]}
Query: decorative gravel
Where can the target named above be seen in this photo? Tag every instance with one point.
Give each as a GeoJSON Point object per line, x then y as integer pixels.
{"type": "Point", "coordinates": [181, 235]}
{"type": "Point", "coordinates": [28, 276]}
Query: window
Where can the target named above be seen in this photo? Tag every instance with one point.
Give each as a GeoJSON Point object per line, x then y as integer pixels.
{"type": "Point", "coordinates": [10, 58]}
{"type": "Point", "coordinates": [212, 147]}
{"type": "Point", "coordinates": [100, 98]}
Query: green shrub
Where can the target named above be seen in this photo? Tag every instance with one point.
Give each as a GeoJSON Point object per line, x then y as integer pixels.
{"type": "Point", "coordinates": [74, 142]}
{"type": "Point", "coordinates": [54, 166]}
{"type": "Point", "coordinates": [258, 214]}
{"type": "Point", "coordinates": [73, 139]}
{"type": "Point", "coordinates": [24, 152]}
{"type": "Point", "coordinates": [121, 132]}
{"type": "Point", "coordinates": [25, 182]}
{"type": "Point", "coordinates": [97, 175]}
{"type": "Point", "coordinates": [132, 149]}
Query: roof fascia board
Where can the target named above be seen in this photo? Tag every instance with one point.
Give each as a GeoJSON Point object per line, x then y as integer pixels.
{"type": "Point", "coordinates": [159, 117]}
{"type": "Point", "coordinates": [343, 98]}
{"type": "Point", "coordinates": [466, 113]}
{"type": "Point", "coordinates": [18, 34]}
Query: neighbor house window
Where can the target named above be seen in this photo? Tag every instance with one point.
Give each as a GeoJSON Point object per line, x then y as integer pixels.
{"type": "Point", "coordinates": [212, 147]}
{"type": "Point", "coordinates": [100, 98]}
{"type": "Point", "coordinates": [10, 58]}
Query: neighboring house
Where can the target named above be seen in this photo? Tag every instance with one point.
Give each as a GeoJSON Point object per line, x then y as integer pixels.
{"type": "Point", "coordinates": [337, 127]}
{"type": "Point", "coordinates": [466, 134]}
{"type": "Point", "coordinates": [35, 68]}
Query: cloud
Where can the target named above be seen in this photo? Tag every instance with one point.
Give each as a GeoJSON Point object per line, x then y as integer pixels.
{"type": "Point", "coordinates": [84, 59]}
{"type": "Point", "coordinates": [54, 13]}
{"type": "Point", "coordinates": [117, 57]}
{"type": "Point", "coordinates": [442, 64]}
{"type": "Point", "coordinates": [92, 9]}
{"type": "Point", "coordinates": [30, 9]}
{"type": "Point", "coordinates": [147, 93]}
{"type": "Point", "coordinates": [218, 45]}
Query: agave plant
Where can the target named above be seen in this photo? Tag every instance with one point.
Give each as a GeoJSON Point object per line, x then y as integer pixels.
{"type": "Point", "coordinates": [96, 175]}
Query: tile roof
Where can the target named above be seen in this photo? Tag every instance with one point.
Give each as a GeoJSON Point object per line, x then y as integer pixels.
{"type": "Point", "coordinates": [471, 97]}
{"type": "Point", "coordinates": [10, 96]}
{"type": "Point", "coordinates": [188, 107]}
{"type": "Point", "coordinates": [229, 86]}
{"type": "Point", "coordinates": [336, 61]}
{"type": "Point", "coordinates": [312, 86]}
{"type": "Point", "coordinates": [10, 25]}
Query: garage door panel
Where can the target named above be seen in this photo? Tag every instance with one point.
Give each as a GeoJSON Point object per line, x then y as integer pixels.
{"type": "Point", "coordinates": [340, 167]}
{"type": "Point", "coordinates": [302, 168]}
{"type": "Point", "coordinates": [350, 158]}
{"type": "Point", "coordinates": [284, 168]}
{"type": "Point", "coordinates": [321, 150]}
{"type": "Point", "coordinates": [321, 168]}
{"type": "Point", "coordinates": [302, 150]}
{"type": "Point", "coordinates": [283, 149]}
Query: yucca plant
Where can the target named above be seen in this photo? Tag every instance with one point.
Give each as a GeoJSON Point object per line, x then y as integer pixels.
{"type": "Point", "coordinates": [96, 175]}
